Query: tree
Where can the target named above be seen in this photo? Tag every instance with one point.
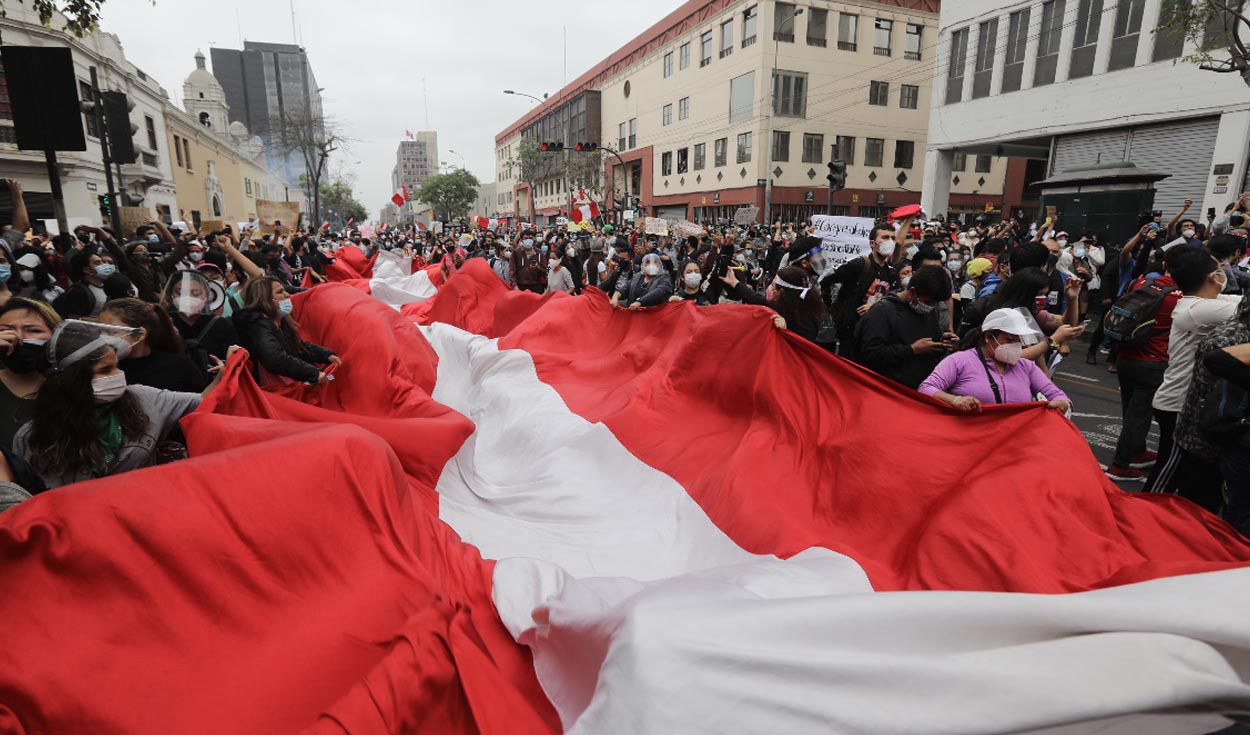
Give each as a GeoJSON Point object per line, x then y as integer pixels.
{"type": "Point", "coordinates": [339, 200]}
{"type": "Point", "coordinates": [81, 16]}
{"type": "Point", "coordinates": [585, 171]}
{"type": "Point", "coordinates": [450, 194]}
{"type": "Point", "coordinates": [1218, 28]}
{"type": "Point", "coordinates": [311, 139]}
{"type": "Point", "coordinates": [534, 166]}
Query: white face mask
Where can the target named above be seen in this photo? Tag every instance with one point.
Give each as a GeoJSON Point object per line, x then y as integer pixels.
{"type": "Point", "coordinates": [1063, 243]}
{"type": "Point", "coordinates": [196, 256]}
{"type": "Point", "coordinates": [886, 248]}
{"type": "Point", "coordinates": [554, 264]}
{"type": "Point", "coordinates": [954, 265]}
{"type": "Point", "coordinates": [109, 388]}
{"type": "Point", "coordinates": [1008, 353]}
{"type": "Point", "coordinates": [1189, 233]}
{"type": "Point", "coordinates": [27, 276]}
{"type": "Point", "coordinates": [189, 304]}
{"type": "Point", "coordinates": [1079, 251]}
{"type": "Point", "coordinates": [651, 269]}
{"type": "Point", "coordinates": [693, 279]}
{"type": "Point", "coordinates": [570, 251]}
{"type": "Point", "coordinates": [904, 281]}
{"type": "Point", "coordinates": [912, 250]}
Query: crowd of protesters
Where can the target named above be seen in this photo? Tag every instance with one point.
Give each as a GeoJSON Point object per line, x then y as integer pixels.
{"type": "Point", "coordinates": [107, 342]}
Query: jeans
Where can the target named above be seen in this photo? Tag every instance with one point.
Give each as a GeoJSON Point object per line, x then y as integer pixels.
{"type": "Point", "coordinates": [1138, 382]}
{"type": "Point", "coordinates": [1235, 466]}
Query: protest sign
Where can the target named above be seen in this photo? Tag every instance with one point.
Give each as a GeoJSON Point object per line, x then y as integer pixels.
{"type": "Point", "coordinates": [132, 218]}
{"type": "Point", "coordinates": [656, 226]}
{"type": "Point", "coordinates": [746, 215]}
{"type": "Point", "coordinates": [212, 225]}
{"type": "Point", "coordinates": [275, 215]}
{"type": "Point", "coordinates": [686, 228]}
{"type": "Point", "coordinates": [842, 238]}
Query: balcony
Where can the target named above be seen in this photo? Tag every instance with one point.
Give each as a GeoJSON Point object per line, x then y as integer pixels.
{"type": "Point", "coordinates": [726, 51]}
{"type": "Point", "coordinates": [847, 46]}
{"type": "Point", "coordinates": [911, 55]}
{"type": "Point", "coordinates": [784, 37]}
{"type": "Point", "coordinates": [146, 168]}
{"type": "Point", "coordinates": [879, 51]}
{"type": "Point", "coordinates": [820, 42]}
{"type": "Point", "coordinates": [748, 41]}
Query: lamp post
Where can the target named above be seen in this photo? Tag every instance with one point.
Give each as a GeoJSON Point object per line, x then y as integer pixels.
{"type": "Point", "coordinates": [523, 94]}
{"type": "Point", "coordinates": [462, 161]}
{"type": "Point", "coordinates": [772, 106]}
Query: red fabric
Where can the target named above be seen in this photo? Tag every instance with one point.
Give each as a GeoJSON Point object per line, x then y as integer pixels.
{"type": "Point", "coordinates": [350, 263]}
{"type": "Point", "coordinates": [398, 199]}
{"type": "Point", "coordinates": [1156, 348]}
{"type": "Point", "coordinates": [922, 496]}
{"type": "Point", "coordinates": [307, 281]}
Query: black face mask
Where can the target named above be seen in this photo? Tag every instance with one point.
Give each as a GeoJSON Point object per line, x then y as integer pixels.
{"type": "Point", "coordinates": [27, 357]}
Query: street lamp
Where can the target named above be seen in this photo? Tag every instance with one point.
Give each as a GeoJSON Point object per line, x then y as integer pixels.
{"type": "Point", "coordinates": [462, 161]}
{"type": "Point", "coordinates": [522, 94]}
{"type": "Point", "coordinates": [772, 106]}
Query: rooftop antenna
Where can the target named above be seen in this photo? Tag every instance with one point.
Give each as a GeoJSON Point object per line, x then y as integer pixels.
{"type": "Point", "coordinates": [238, 24]}
{"type": "Point", "coordinates": [294, 35]}
{"type": "Point", "coordinates": [426, 93]}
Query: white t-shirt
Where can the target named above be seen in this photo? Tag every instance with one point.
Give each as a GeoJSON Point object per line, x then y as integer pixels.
{"type": "Point", "coordinates": [1192, 319]}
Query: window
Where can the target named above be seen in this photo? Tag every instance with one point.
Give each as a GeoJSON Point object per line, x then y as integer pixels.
{"type": "Point", "coordinates": [878, 93]}
{"type": "Point", "coordinates": [959, 162]}
{"type": "Point", "coordinates": [683, 55]}
{"type": "Point", "coordinates": [742, 97]}
{"type": "Point", "coordinates": [744, 147]}
{"type": "Point", "coordinates": [1048, 43]}
{"type": "Point", "coordinates": [683, 108]}
{"type": "Point", "coordinates": [620, 143]}
{"type": "Point", "coordinates": [668, 65]}
{"type": "Point", "coordinates": [85, 93]}
{"type": "Point", "coordinates": [1013, 66]}
{"type": "Point", "coordinates": [781, 145]}
{"type": "Point", "coordinates": [958, 61]}
{"type": "Point", "coordinates": [749, 18]}
{"type": "Point", "coordinates": [844, 149]}
{"type": "Point", "coordinates": [700, 156]}
{"type": "Point", "coordinates": [983, 69]}
{"type": "Point", "coordinates": [668, 114]}
{"type": "Point", "coordinates": [848, 29]}
{"type": "Point", "coordinates": [911, 42]}
{"type": "Point", "coordinates": [817, 20]}
{"type": "Point", "coordinates": [633, 132]}
{"type": "Point", "coordinates": [666, 163]}
{"type": "Point", "coordinates": [178, 150]}
{"type": "Point", "coordinates": [789, 93]}
{"type": "Point", "coordinates": [904, 153]}
{"type": "Point", "coordinates": [720, 149]}
{"type": "Point", "coordinates": [247, 186]}
{"type": "Point", "coordinates": [1169, 41]}
{"type": "Point", "coordinates": [1085, 42]}
{"type": "Point", "coordinates": [726, 38]}
{"type": "Point", "coordinates": [705, 49]}
{"type": "Point", "coordinates": [874, 151]}
{"type": "Point", "coordinates": [683, 160]}
{"type": "Point", "coordinates": [984, 164]}
{"type": "Point", "coordinates": [881, 38]}
{"type": "Point", "coordinates": [186, 152]}
{"type": "Point", "coordinates": [150, 125]}
{"type": "Point", "coordinates": [1128, 17]}
{"type": "Point", "coordinates": [909, 96]}
{"type": "Point", "coordinates": [813, 146]}
{"type": "Point", "coordinates": [783, 22]}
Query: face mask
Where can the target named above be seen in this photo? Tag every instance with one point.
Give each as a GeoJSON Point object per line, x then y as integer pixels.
{"type": "Point", "coordinates": [555, 263]}
{"type": "Point", "coordinates": [1008, 353]}
{"type": "Point", "coordinates": [6, 272]}
{"type": "Point", "coordinates": [920, 308]}
{"type": "Point", "coordinates": [196, 256]}
{"type": "Point", "coordinates": [284, 307]}
{"type": "Point", "coordinates": [886, 248]}
{"type": "Point", "coordinates": [544, 248]}
{"type": "Point", "coordinates": [109, 388]}
{"type": "Point", "coordinates": [904, 281]}
{"type": "Point", "coordinates": [26, 356]}
{"type": "Point", "coordinates": [570, 251]}
{"type": "Point", "coordinates": [1079, 252]}
{"type": "Point", "coordinates": [139, 257]}
{"type": "Point", "coordinates": [27, 276]}
{"type": "Point", "coordinates": [507, 253]}
{"type": "Point", "coordinates": [1189, 234]}
{"type": "Point", "coordinates": [818, 265]}
{"type": "Point", "coordinates": [1063, 243]}
{"type": "Point", "coordinates": [911, 251]}
{"type": "Point", "coordinates": [189, 304]}
{"type": "Point", "coordinates": [153, 238]}
{"type": "Point", "coordinates": [954, 265]}
{"type": "Point", "coordinates": [527, 243]}
{"type": "Point", "coordinates": [104, 270]}
{"type": "Point", "coordinates": [651, 269]}
{"type": "Point", "coordinates": [693, 279]}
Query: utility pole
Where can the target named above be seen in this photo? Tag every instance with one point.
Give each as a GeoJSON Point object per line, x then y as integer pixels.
{"type": "Point", "coordinates": [772, 106]}
{"type": "Point", "coordinates": [115, 215]}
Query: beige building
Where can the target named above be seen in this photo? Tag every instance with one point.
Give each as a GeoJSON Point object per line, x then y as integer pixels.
{"type": "Point", "coordinates": [725, 103]}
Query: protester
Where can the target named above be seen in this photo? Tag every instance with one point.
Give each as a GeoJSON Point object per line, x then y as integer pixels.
{"type": "Point", "coordinates": [272, 337]}
{"type": "Point", "coordinates": [995, 371]}
{"type": "Point", "coordinates": [1232, 364]}
{"type": "Point", "coordinates": [558, 276]}
{"type": "Point", "coordinates": [798, 306]}
{"type": "Point", "coordinates": [690, 286]}
{"type": "Point", "coordinates": [651, 287]}
{"type": "Point", "coordinates": [85, 296]}
{"type": "Point", "coordinates": [25, 328]}
{"type": "Point", "coordinates": [157, 358]}
{"type": "Point", "coordinates": [899, 337]}
{"type": "Point", "coordinates": [528, 272]}
{"type": "Point", "coordinates": [861, 282]}
{"type": "Point", "coordinates": [193, 303]}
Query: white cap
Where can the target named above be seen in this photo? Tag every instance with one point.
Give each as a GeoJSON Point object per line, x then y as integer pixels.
{"type": "Point", "coordinates": [1011, 322]}
{"type": "Point", "coordinates": [29, 260]}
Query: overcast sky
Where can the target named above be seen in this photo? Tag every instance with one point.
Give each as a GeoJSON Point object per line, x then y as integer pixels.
{"type": "Point", "coordinates": [371, 57]}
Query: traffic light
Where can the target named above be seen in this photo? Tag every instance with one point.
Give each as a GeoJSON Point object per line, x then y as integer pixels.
{"type": "Point", "coordinates": [119, 128]}
{"type": "Point", "coordinates": [551, 147]}
{"type": "Point", "coordinates": [837, 175]}
{"type": "Point", "coordinates": [106, 209]}
{"type": "Point", "coordinates": [586, 147]}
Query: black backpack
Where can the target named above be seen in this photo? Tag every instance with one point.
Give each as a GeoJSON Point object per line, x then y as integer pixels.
{"type": "Point", "coordinates": [197, 353]}
{"type": "Point", "coordinates": [1131, 319]}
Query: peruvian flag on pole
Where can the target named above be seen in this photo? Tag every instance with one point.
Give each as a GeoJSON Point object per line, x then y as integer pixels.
{"type": "Point", "coordinates": [584, 208]}
{"type": "Point", "coordinates": [487, 223]}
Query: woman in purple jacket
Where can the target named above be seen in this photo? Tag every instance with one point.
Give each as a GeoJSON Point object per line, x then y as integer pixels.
{"type": "Point", "coordinates": [993, 371]}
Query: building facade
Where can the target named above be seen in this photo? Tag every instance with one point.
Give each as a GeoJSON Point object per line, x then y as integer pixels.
{"type": "Point", "coordinates": [1068, 84]}
{"type": "Point", "coordinates": [486, 204]}
{"type": "Point", "coordinates": [415, 161]}
{"type": "Point", "coordinates": [726, 103]}
{"type": "Point", "coordinates": [148, 180]}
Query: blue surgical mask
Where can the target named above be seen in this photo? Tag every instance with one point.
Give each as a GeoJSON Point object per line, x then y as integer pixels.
{"type": "Point", "coordinates": [1079, 251]}
{"type": "Point", "coordinates": [284, 307]}
{"type": "Point", "coordinates": [153, 238]}
{"type": "Point", "coordinates": [104, 270]}
{"type": "Point", "coordinates": [6, 272]}
{"type": "Point", "coordinates": [528, 242]}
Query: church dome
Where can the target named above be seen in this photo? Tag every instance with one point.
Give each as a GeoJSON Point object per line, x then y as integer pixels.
{"type": "Point", "coordinates": [201, 83]}
{"type": "Point", "coordinates": [238, 129]}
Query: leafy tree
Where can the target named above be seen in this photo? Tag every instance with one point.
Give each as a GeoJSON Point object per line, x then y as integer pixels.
{"type": "Point", "coordinates": [1219, 29]}
{"type": "Point", "coordinates": [339, 199]}
{"type": "Point", "coordinates": [81, 16]}
{"type": "Point", "coordinates": [534, 166]}
{"type": "Point", "coordinates": [585, 171]}
{"type": "Point", "coordinates": [450, 194]}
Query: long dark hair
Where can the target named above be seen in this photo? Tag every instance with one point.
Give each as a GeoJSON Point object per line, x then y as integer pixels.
{"type": "Point", "coordinates": [258, 297]}
{"type": "Point", "coordinates": [1019, 291]}
{"type": "Point", "coordinates": [161, 333]}
{"type": "Point", "coordinates": [791, 304]}
{"type": "Point", "coordinates": [64, 433]}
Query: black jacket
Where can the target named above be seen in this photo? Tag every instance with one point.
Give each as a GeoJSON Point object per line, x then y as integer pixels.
{"type": "Point", "coordinates": [76, 303]}
{"type": "Point", "coordinates": [803, 322]}
{"type": "Point", "coordinates": [213, 335]}
{"type": "Point", "coordinates": [885, 335]}
{"type": "Point", "coordinates": [275, 351]}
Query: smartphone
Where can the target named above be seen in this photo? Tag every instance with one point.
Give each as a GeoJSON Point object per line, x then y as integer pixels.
{"type": "Point", "coordinates": [1210, 212]}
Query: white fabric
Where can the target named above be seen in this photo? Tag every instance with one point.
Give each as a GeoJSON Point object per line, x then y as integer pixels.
{"type": "Point", "coordinates": [1192, 320]}
{"type": "Point", "coordinates": [391, 264]}
{"type": "Point", "coordinates": [399, 290]}
{"type": "Point", "coordinates": [643, 617]}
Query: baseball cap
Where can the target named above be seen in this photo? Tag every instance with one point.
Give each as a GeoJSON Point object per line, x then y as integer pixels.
{"type": "Point", "coordinates": [1011, 321]}
{"type": "Point", "coordinates": [978, 267]}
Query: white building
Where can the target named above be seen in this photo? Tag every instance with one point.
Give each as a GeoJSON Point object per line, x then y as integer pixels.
{"type": "Point", "coordinates": [487, 203]}
{"type": "Point", "coordinates": [82, 172]}
{"type": "Point", "coordinates": [1076, 83]}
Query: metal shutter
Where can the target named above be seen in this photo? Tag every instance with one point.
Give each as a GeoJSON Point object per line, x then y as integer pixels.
{"type": "Point", "coordinates": [1183, 150]}
{"type": "Point", "coordinates": [1088, 149]}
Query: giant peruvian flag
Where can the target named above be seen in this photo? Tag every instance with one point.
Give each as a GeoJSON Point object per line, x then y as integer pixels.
{"type": "Point", "coordinates": [536, 514]}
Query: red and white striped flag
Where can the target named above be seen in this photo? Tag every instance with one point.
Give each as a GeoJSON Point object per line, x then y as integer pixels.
{"type": "Point", "coordinates": [404, 191]}
{"type": "Point", "coordinates": [584, 211]}
{"type": "Point", "coordinates": [487, 223]}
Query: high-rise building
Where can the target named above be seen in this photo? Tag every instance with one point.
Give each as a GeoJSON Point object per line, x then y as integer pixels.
{"type": "Point", "coordinates": [415, 161]}
{"type": "Point", "coordinates": [269, 88]}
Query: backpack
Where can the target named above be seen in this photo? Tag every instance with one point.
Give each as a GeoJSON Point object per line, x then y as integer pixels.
{"type": "Point", "coordinates": [1131, 319]}
{"type": "Point", "coordinates": [198, 354]}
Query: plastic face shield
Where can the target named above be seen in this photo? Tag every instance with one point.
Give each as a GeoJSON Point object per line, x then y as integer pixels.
{"type": "Point", "coordinates": [192, 294]}
{"type": "Point", "coordinates": [75, 340]}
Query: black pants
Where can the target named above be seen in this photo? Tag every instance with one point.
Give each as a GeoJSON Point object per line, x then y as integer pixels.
{"type": "Point", "coordinates": [1235, 467]}
{"type": "Point", "coordinates": [1138, 382]}
{"type": "Point", "coordinates": [1161, 477]}
{"type": "Point", "coordinates": [1199, 480]}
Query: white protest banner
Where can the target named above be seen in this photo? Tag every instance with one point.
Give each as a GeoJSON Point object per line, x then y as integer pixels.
{"type": "Point", "coordinates": [686, 228]}
{"type": "Point", "coordinates": [746, 215]}
{"type": "Point", "coordinates": [627, 215]}
{"type": "Point", "coordinates": [656, 226]}
{"type": "Point", "coordinates": [842, 238]}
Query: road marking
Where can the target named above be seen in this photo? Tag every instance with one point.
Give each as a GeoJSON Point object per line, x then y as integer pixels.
{"type": "Point", "coordinates": [1094, 416]}
{"type": "Point", "coordinates": [1085, 383]}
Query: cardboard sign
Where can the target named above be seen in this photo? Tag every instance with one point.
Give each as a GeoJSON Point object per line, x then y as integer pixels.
{"type": "Point", "coordinates": [842, 238]}
{"type": "Point", "coordinates": [212, 225]}
{"type": "Point", "coordinates": [746, 215]}
{"type": "Point", "coordinates": [686, 228]}
{"type": "Point", "coordinates": [132, 219]}
{"type": "Point", "coordinates": [656, 226]}
{"type": "Point", "coordinates": [276, 216]}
